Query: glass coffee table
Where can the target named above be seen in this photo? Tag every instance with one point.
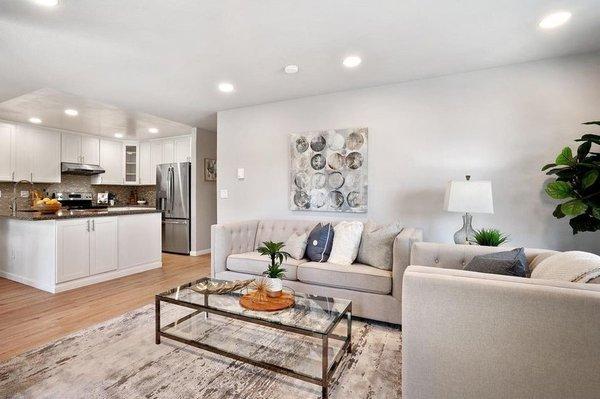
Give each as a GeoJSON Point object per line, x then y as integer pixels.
{"type": "Point", "coordinates": [312, 316]}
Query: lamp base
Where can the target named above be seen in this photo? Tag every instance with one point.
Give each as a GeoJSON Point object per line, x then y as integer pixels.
{"type": "Point", "coordinates": [466, 234]}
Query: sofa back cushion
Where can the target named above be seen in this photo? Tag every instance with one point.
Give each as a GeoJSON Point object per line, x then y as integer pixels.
{"type": "Point", "coordinates": [453, 256]}
{"type": "Point", "coordinates": [281, 230]}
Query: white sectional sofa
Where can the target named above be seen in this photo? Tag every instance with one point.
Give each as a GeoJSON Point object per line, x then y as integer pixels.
{"type": "Point", "coordinates": [472, 335]}
{"type": "Point", "coordinates": [375, 293]}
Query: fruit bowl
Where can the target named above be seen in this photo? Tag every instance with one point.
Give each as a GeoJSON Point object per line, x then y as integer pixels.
{"type": "Point", "coordinates": [47, 208]}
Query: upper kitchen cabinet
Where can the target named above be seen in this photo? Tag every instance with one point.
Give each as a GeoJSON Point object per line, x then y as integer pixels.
{"type": "Point", "coordinates": [36, 155]}
{"type": "Point", "coordinates": [111, 160]}
{"type": "Point", "coordinates": [77, 148]}
{"type": "Point", "coordinates": [147, 170]}
{"type": "Point", "coordinates": [6, 149]}
{"type": "Point", "coordinates": [168, 151]}
{"type": "Point", "coordinates": [182, 149]}
{"type": "Point", "coordinates": [131, 158]}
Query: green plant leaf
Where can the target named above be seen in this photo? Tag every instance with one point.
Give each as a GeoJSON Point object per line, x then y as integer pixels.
{"type": "Point", "coordinates": [565, 157]}
{"type": "Point", "coordinates": [573, 208]}
{"type": "Point", "coordinates": [591, 123]}
{"type": "Point", "coordinates": [583, 150]}
{"type": "Point", "coordinates": [559, 190]}
{"type": "Point", "coordinates": [548, 166]}
{"type": "Point", "coordinates": [596, 213]}
{"type": "Point", "coordinates": [584, 222]}
{"type": "Point", "coordinates": [589, 178]}
{"type": "Point", "coordinates": [558, 213]}
{"type": "Point", "coordinates": [594, 138]}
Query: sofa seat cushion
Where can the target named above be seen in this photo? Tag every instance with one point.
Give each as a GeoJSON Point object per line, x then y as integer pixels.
{"type": "Point", "coordinates": [357, 277]}
{"type": "Point", "coordinates": [254, 263]}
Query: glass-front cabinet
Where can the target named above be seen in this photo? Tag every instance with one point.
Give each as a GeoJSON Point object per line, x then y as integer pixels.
{"type": "Point", "coordinates": [131, 158]}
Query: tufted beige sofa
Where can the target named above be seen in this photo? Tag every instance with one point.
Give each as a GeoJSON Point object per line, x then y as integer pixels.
{"type": "Point", "coordinates": [473, 335]}
{"type": "Point", "coordinates": [375, 294]}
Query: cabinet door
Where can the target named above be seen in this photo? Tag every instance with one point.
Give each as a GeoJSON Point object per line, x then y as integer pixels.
{"type": "Point", "coordinates": [6, 149]}
{"type": "Point", "coordinates": [90, 150]}
{"type": "Point", "coordinates": [111, 160]}
{"type": "Point", "coordinates": [168, 151]}
{"type": "Point", "coordinates": [70, 148]}
{"type": "Point", "coordinates": [72, 249]}
{"type": "Point", "coordinates": [155, 157]}
{"type": "Point", "coordinates": [131, 159]}
{"type": "Point", "coordinates": [147, 171]}
{"type": "Point", "coordinates": [22, 153]}
{"type": "Point", "coordinates": [103, 245]}
{"type": "Point", "coordinates": [183, 149]}
{"type": "Point", "coordinates": [139, 239]}
{"type": "Point", "coordinates": [45, 156]}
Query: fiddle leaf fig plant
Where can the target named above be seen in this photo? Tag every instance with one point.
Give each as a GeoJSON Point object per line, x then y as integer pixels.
{"type": "Point", "coordinates": [577, 183]}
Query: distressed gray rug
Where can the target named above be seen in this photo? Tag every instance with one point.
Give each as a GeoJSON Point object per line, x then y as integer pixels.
{"type": "Point", "coordinates": [119, 359]}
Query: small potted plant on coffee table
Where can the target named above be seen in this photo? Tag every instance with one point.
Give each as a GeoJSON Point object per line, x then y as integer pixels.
{"type": "Point", "coordinates": [274, 272]}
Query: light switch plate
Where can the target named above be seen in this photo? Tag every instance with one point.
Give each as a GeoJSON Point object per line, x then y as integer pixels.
{"type": "Point", "coordinates": [224, 194]}
{"type": "Point", "coordinates": [24, 194]}
{"type": "Point", "coordinates": [241, 173]}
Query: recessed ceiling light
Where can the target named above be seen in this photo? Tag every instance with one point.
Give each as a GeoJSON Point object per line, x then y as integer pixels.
{"type": "Point", "coordinates": [352, 61]}
{"type": "Point", "coordinates": [226, 87]}
{"type": "Point", "coordinates": [35, 120]}
{"type": "Point", "coordinates": [71, 112]}
{"type": "Point", "coordinates": [119, 135]}
{"type": "Point", "coordinates": [153, 130]}
{"type": "Point", "coordinates": [47, 3]}
{"type": "Point", "coordinates": [555, 20]}
{"type": "Point", "coordinates": [291, 69]}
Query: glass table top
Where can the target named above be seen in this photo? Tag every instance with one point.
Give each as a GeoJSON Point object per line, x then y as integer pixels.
{"type": "Point", "coordinates": [310, 313]}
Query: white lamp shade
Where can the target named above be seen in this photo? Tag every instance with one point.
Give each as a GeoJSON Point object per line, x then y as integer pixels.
{"type": "Point", "coordinates": [469, 197]}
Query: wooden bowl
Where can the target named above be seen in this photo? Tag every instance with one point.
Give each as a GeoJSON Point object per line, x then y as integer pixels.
{"type": "Point", "coordinates": [44, 208]}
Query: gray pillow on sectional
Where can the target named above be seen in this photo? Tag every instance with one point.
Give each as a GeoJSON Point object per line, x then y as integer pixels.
{"type": "Point", "coordinates": [510, 263]}
{"type": "Point", "coordinates": [377, 245]}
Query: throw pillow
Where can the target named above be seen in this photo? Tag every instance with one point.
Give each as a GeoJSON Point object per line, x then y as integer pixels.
{"type": "Point", "coordinates": [574, 266]}
{"type": "Point", "coordinates": [296, 245]}
{"type": "Point", "coordinates": [346, 242]}
{"type": "Point", "coordinates": [377, 244]}
{"type": "Point", "coordinates": [319, 243]}
{"type": "Point", "coordinates": [510, 263]}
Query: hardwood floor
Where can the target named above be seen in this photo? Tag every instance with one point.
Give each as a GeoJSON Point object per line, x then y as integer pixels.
{"type": "Point", "coordinates": [30, 317]}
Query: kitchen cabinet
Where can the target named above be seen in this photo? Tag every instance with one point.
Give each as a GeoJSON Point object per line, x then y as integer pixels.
{"type": "Point", "coordinates": [131, 162]}
{"type": "Point", "coordinates": [182, 149]}
{"type": "Point", "coordinates": [7, 133]}
{"type": "Point", "coordinates": [77, 148]}
{"type": "Point", "coordinates": [145, 166]}
{"type": "Point", "coordinates": [86, 247]}
{"type": "Point", "coordinates": [168, 151]}
{"type": "Point", "coordinates": [111, 160]}
{"type": "Point", "coordinates": [36, 155]}
{"type": "Point", "coordinates": [139, 239]}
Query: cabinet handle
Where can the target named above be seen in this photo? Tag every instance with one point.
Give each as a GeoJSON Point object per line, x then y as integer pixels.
{"type": "Point", "coordinates": [13, 176]}
{"type": "Point", "coordinates": [93, 225]}
{"type": "Point", "coordinates": [88, 225]}
{"type": "Point", "coordinates": [31, 175]}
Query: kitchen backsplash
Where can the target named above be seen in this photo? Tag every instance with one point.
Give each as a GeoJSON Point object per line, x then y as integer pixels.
{"type": "Point", "coordinates": [75, 183]}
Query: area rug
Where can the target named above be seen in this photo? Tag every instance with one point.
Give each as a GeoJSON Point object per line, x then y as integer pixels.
{"type": "Point", "coordinates": [119, 359]}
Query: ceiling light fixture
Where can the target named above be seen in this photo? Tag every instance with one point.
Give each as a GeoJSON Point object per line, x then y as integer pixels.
{"type": "Point", "coordinates": [352, 61]}
{"type": "Point", "coordinates": [555, 20]}
{"type": "Point", "coordinates": [71, 112]}
{"type": "Point", "coordinates": [119, 135]}
{"type": "Point", "coordinates": [226, 87]}
{"type": "Point", "coordinates": [291, 69]}
{"type": "Point", "coordinates": [153, 130]}
{"type": "Point", "coordinates": [47, 3]}
{"type": "Point", "coordinates": [35, 120]}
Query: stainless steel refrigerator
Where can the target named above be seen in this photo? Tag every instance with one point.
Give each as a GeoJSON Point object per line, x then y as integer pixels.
{"type": "Point", "coordinates": [173, 199]}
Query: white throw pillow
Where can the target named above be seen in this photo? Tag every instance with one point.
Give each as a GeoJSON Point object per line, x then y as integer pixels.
{"type": "Point", "coordinates": [574, 266]}
{"type": "Point", "coordinates": [346, 241]}
{"type": "Point", "coordinates": [296, 245]}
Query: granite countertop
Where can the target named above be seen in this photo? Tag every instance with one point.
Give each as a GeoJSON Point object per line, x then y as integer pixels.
{"type": "Point", "coordinates": [66, 214]}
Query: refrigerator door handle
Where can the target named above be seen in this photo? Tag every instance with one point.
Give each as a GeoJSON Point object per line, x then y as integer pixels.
{"type": "Point", "coordinates": [172, 194]}
{"type": "Point", "coordinates": [174, 221]}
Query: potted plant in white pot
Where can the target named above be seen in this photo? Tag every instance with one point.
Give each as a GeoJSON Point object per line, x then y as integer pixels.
{"type": "Point", "coordinates": [274, 272]}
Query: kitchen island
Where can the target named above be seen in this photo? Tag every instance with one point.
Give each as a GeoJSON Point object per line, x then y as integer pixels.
{"type": "Point", "coordinates": [69, 249]}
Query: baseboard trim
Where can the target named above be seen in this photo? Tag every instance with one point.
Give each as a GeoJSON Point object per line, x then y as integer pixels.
{"type": "Point", "coordinates": [201, 252]}
{"type": "Point", "coordinates": [27, 281]}
{"type": "Point", "coordinates": [99, 278]}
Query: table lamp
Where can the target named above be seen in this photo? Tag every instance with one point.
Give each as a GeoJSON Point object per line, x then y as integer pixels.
{"type": "Point", "coordinates": [468, 197]}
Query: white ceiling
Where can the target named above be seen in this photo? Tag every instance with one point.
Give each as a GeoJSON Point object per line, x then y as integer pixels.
{"type": "Point", "coordinates": [165, 57]}
{"type": "Point", "coordinates": [94, 117]}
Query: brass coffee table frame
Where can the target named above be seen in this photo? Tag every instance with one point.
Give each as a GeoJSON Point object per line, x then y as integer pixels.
{"type": "Point", "coordinates": [326, 370]}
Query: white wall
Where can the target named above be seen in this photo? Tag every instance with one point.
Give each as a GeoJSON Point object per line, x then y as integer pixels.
{"type": "Point", "coordinates": [206, 192]}
{"type": "Point", "coordinates": [499, 124]}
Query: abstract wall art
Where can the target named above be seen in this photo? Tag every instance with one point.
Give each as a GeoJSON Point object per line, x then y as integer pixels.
{"type": "Point", "coordinates": [329, 170]}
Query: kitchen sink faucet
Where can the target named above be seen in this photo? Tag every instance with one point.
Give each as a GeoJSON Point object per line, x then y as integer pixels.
{"type": "Point", "coordinates": [13, 206]}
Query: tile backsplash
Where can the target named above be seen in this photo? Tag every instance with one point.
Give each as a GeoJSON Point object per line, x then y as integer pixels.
{"type": "Point", "coordinates": [75, 183]}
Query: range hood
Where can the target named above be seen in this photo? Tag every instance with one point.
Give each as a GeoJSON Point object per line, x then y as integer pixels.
{"type": "Point", "coordinates": [69, 168]}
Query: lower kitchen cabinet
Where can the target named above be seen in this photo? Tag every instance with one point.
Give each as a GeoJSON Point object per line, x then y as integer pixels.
{"type": "Point", "coordinates": [139, 240]}
{"type": "Point", "coordinates": [86, 247]}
